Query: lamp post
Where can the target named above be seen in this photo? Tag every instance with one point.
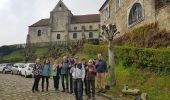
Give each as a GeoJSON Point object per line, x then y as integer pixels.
{"type": "Point", "coordinates": [108, 34]}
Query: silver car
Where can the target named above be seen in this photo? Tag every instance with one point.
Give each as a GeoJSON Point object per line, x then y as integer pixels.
{"type": "Point", "coordinates": [6, 68]}
{"type": "Point", "coordinates": [16, 69]}
{"type": "Point", "coordinates": [2, 67]}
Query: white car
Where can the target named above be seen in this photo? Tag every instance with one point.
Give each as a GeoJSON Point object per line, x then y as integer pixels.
{"type": "Point", "coordinates": [16, 69]}
{"type": "Point", "coordinates": [27, 70]}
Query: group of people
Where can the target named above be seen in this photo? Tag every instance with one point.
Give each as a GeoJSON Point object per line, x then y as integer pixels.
{"type": "Point", "coordinates": [76, 76]}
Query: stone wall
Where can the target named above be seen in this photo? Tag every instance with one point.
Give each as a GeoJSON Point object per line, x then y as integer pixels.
{"type": "Point", "coordinates": [120, 16]}
{"type": "Point", "coordinates": [45, 34]}
{"type": "Point", "coordinates": [163, 17]}
{"type": "Point", "coordinates": [89, 27]}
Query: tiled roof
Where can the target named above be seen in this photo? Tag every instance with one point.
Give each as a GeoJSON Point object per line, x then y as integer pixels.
{"type": "Point", "coordinates": [85, 18]}
{"type": "Point", "coordinates": [74, 20]}
{"type": "Point", "coordinates": [42, 22]}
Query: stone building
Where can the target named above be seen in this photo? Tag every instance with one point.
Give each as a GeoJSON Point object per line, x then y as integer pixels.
{"type": "Point", "coordinates": [63, 26]}
{"type": "Point", "coordinates": [129, 14]}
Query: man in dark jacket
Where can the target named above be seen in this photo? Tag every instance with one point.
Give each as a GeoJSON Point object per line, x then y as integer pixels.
{"type": "Point", "coordinates": [71, 62]}
{"type": "Point", "coordinates": [101, 68]}
{"type": "Point", "coordinates": [64, 73]}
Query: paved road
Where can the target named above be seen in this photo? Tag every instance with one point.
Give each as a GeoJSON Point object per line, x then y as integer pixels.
{"type": "Point", "coordinates": [13, 87]}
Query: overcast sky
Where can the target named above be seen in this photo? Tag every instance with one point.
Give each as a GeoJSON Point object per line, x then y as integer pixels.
{"type": "Point", "coordinates": [17, 15]}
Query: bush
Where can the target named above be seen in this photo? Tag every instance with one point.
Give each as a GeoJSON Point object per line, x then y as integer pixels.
{"type": "Point", "coordinates": [147, 36]}
{"type": "Point", "coordinates": [128, 56]}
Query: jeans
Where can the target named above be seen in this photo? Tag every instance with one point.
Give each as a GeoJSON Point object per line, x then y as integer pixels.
{"type": "Point", "coordinates": [64, 76]}
{"type": "Point", "coordinates": [78, 89]}
{"type": "Point", "coordinates": [47, 82]}
{"type": "Point", "coordinates": [71, 83]}
{"type": "Point", "coordinates": [56, 82]}
{"type": "Point", "coordinates": [36, 82]}
{"type": "Point", "coordinates": [91, 86]}
{"type": "Point", "coordinates": [84, 85]}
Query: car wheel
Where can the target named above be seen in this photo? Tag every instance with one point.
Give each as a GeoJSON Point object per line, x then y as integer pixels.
{"type": "Point", "coordinates": [12, 72]}
{"type": "Point", "coordinates": [17, 72]}
{"type": "Point", "coordinates": [25, 75]}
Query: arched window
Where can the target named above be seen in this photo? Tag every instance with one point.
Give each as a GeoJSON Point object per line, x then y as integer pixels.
{"type": "Point", "coordinates": [39, 33]}
{"type": "Point", "coordinates": [135, 13]}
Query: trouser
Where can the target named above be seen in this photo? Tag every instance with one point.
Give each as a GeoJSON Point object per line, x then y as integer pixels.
{"type": "Point", "coordinates": [84, 84]}
{"type": "Point", "coordinates": [78, 89]}
{"type": "Point", "coordinates": [47, 82]}
{"type": "Point", "coordinates": [64, 76]}
{"type": "Point", "coordinates": [91, 86]}
{"type": "Point", "coordinates": [71, 83]}
{"type": "Point", "coordinates": [101, 81]}
{"type": "Point", "coordinates": [36, 82]}
{"type": "Point", "coordinates": [56, 81]}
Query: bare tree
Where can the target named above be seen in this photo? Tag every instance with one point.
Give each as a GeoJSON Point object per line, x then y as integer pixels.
{"type": "Point", "coordinates": [108, 34]}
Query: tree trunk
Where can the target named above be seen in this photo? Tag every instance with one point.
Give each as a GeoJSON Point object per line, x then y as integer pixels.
{"type": "Point", "coordinates": [111, 64]}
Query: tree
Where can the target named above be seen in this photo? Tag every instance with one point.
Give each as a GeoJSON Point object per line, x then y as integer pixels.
{"type": "Point", "coordinates": [108, 34]}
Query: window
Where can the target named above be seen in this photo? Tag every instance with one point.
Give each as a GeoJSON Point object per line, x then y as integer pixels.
{"type": "Point", "coordinates": [90, 34]}
{"type": "Point", "coordinates": [90, 27]}
{"type": "Point", "coordinates": [83, 27]}
{"type": "Point", "coordinates": [39, 33]}
{"type": "Point", "coordinates": [106, 13]}
{"type": "Point", "coordinates": [117, 2]}
{"type": "Point", "coordinates": [74, 35]}
{"type": "Point", "coordinates": [75, 28]}
{"type": "Point", "coordinates": [135, 13]}
{"type": "Point", "coordinates": [58, 36]}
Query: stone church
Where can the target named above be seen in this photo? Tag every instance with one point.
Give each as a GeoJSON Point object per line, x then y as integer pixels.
{"type": "Point", "coordinates": [62, 26]}
{"type": "Point", "coordinates": [130, 14]}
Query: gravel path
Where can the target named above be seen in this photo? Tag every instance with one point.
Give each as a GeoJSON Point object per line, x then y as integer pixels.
{"type": "Point", "coordinates": [14, 87]}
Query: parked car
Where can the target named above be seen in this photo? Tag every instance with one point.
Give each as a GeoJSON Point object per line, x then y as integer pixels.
{"type": "Point", "coordinates": [27, 70]}
{"type": "Point", "coordinates": [7, 68]}
{"type": "Point", "coordinates": [2, 67]}
{"type": "Point", "coordinates": [16, 68]}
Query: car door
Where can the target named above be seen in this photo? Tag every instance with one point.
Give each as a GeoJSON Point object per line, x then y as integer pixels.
{"type": "Point", "coordinates": [16, 69]}
{"type": "Point", "coordinates": [23, 70]}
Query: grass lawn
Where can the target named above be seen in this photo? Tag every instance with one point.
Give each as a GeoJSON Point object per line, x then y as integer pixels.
{"type": "Point", "coordinates": [14, 56]}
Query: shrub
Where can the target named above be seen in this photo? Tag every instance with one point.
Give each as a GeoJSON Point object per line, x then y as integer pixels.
{"type": "Point", "coordinates": [131, 56]}
{"type": "Point", "coordinates": [147, 36]}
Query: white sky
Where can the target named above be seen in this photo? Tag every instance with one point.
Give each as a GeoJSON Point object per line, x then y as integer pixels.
{"type": "Point", "coordinates": [17, 15]}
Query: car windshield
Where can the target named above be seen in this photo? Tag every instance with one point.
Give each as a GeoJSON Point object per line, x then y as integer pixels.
{"type": "Point", "coordinates": [31, 65]}
{"type": "Point", "coordinates": [9, 65]}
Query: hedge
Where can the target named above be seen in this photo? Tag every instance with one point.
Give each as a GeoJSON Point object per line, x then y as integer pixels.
{"type": "Point", "coordinates": [131, 56]}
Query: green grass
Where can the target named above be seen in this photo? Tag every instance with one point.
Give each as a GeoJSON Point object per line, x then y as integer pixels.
{"type": "Point", "coordinates": [156, 86]}
{"type": "Point", "coordinates": [41, 52]}
{"type": "Point", "coordinates": [14, 56]}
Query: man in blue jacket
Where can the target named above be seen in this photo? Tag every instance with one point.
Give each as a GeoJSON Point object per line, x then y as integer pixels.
{"type": "Point", "coordinates": [101, 68]}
